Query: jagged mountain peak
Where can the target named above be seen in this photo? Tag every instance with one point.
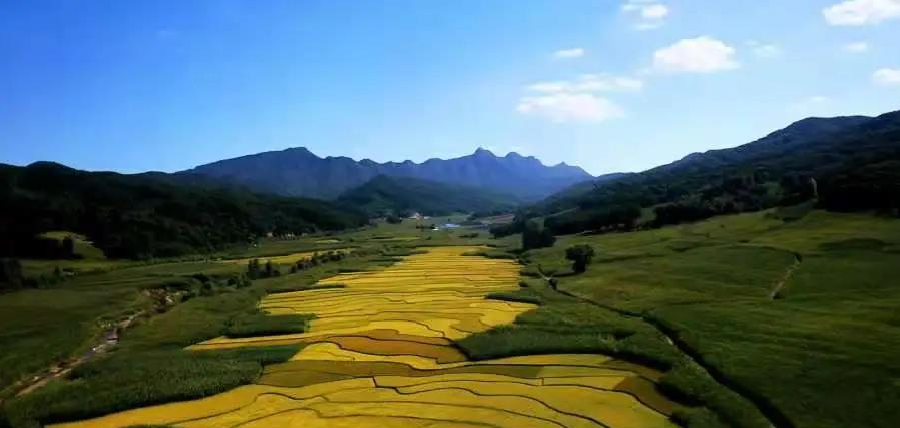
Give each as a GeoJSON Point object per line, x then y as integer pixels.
{"type": "Point", "coordinates": [299, 172]}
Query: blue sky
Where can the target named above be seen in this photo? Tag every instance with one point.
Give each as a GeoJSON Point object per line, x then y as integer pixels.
{"type": "Point", "coordinates": [608, 85]}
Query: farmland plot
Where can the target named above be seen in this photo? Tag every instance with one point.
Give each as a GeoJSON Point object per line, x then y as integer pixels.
{"type": "Point", "coordinates": [381, 352]}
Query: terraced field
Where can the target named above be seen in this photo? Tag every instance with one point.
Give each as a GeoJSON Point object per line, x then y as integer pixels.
{"type": "Point", "coordinates": [381, 353]}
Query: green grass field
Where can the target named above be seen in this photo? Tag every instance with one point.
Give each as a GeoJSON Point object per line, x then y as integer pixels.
{"type": "Point", "coordinates": [823, 354]}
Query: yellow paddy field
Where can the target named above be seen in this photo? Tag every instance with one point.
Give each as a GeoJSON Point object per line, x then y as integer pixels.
{"type": "Point", "coordinates": [381, 354]}
{"type": "Point", "coordinates": [286, 259]}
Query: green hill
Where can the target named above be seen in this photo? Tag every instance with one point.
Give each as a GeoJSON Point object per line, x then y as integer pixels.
{"type": "Point", "coordinates": [137, 216]}
{"type": "Point", "coordinates": [845, 163]}
{"type": "Point", "coordinates": [395, 195]}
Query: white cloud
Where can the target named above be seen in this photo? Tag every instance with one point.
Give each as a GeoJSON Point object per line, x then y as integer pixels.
{"type": "Point", "coordinates": [650, 13]}
{"type": "Point", "coordinates": [698, 55]}
{"type": "Point", "coordinates": [887, 77]}
{"type": "Point", "coordinates": [855, 47]}
{"type": "Point", "coordinates": [564, 107]}
{"type": "Point", "coordinates": [765, 50]}
{"type": "Point", "coordinates": [862, 12]}
{"type": "Point", "coordinates": [569, 53]}
{"type": "Point", "coordinates": [654, 11]}
{"type": "Point", "coordinates": [589, 83]}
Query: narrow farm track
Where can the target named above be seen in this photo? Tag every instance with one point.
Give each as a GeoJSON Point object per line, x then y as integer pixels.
{"type": "Point", "coordinates": [381, 353]}
{"type": "Point", "coordinates": [777, 290]}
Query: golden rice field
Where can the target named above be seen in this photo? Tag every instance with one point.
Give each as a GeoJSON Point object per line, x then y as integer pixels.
{"type": "Point", "coordinates": [286, 259]}
{"type": "Point", "coordinates": [380, 354]}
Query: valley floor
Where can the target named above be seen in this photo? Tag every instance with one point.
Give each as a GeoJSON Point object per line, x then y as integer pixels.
{"type": "Point", "coordinates": [751, 321]}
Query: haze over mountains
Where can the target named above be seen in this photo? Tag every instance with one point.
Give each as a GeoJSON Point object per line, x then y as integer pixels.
{"type": "Point", "coordinates": [299, 172]}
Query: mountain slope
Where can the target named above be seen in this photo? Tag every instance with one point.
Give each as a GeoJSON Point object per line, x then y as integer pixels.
{"type": "Point", "coordinates": [393, 195]}
{"type": "Point", "coordinates": [839, 154]}
{"type": "Point", "coordinates": [298, 172]}
{"type": "Point", "coordinates": [139, 216]}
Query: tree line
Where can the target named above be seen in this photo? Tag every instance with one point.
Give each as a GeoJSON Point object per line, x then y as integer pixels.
{"type": "Point", "coordinates": [138, 217]}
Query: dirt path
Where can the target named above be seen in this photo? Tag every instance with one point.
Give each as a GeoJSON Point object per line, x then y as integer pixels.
{"type": "Point", "coordinates": [779, 286]}
{"type": "Point", "coordinates": [103, 343]}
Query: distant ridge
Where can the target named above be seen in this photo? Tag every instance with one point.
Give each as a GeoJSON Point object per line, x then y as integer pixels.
{"type": "Point", "coordinates": [299, 172]}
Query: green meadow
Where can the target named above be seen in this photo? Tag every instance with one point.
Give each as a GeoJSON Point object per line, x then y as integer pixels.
{"type": "Point", "coordinates": [821, 352]}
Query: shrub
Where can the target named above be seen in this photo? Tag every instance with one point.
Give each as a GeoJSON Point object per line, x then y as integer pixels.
{"type": "Point", "coordinates": [580, 255]}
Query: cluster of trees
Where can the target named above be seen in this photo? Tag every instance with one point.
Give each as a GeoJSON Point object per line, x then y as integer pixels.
{"type": "Point", "coordinates": [318, 259]}
{"type": "Point", "coordinates": [511, 228]}
{"type": "Point", "coordinates": [875, 186]}
{"type": "Point", "coordinates": [257, 270]}
{"type": "Point", "coordinates": [535, 235]}
{"type": "Point", "coordinates": [139, 217]}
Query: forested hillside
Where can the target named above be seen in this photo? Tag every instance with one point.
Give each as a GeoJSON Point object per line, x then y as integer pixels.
{"type": "Point", "coordinates": [139, 217]}
{"type": "Point", "coordinates": [844, 163]}
{"type": "Point", "coordinates": [385, 195]}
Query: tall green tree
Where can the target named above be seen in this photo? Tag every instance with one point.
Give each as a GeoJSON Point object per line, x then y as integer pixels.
{"type": "Point", "coordinates": [581, 256]}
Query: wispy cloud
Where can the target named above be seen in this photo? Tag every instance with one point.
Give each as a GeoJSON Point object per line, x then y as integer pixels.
{"type": "Point", "coordinates": [578, 99]}
{"type": "Point", "coordinates": [569, 53]}
{"type": "Point", "coordinates": [887, 77]}
{"type": "Point", "coordinates": [855, 47]}
{"type": "Point", "coordinates": [564, 107]}
{"type": "Point", "coordinates": [861, 12]}
{"type": "Point", "coordinates": [698, 55]}
{"type": "Point", "coordinates": [650, 14]}
{"type": "Point", "coordinates": [589, 83]}
{"type": "Point", "coordinates": [765, 50]}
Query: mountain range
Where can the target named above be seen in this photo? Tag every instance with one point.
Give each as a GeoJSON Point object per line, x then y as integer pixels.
{"type": "Point", "coordinates": [299, 172]}
{"type": "Point", "coordinates": [844, 163]}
